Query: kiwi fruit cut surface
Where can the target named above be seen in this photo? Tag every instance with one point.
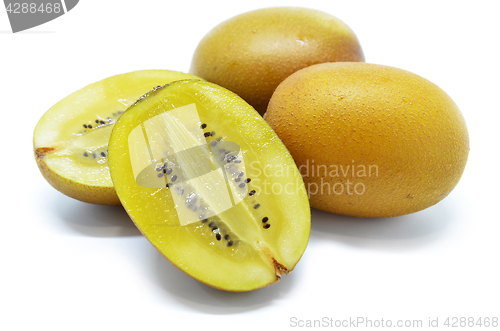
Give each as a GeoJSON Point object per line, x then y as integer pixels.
{"type": "Point", "coordinates": [71, 139]}
{"type": "Point", "coordinates": [250, 54]}
{"type": "Point", "coordinates": [210, 185]}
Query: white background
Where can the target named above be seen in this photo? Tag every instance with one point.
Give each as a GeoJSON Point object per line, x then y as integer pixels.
{"type": "Point", "coordinates": [67, 265]}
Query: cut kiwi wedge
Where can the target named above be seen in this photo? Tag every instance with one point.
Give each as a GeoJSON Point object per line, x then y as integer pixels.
{"type": "Point", "coordinates": [210, 185]}
{"type": "Point", "coordinates": [71, 139]}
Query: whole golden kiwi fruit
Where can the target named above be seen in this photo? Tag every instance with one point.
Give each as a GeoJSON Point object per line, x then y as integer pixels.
{"type": "Point", "coordinates": [250, 54]}
{"type": "Point", "coordinates": [370, 140]}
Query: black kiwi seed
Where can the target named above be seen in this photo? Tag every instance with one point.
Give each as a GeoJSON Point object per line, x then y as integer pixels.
{"type": "Point", "coordinates": [247, 180]}
{"type": "Point", "coordinates": [160, 175]}
{"type": "Point", "coordinates": [237, 161]}
{"type": "Point", "coordinates": [226, 237]}
{"type": "Point", "coordinates": [211, 224]}
{"type": "Point", "coordinates": [85, 154]}
{"type": "Point", "coordinates": [174, 178]}
{"type": "Point", "coordinates": [103, 154]}
{"type": "Point", "coordinates": [89, 126]}
{"type": "Point", "coordinates": [85, 126]}
{"type": "Point", "coordinates": [265, 219]}
{"type": "Point", "coordinates": [203, 126]}
{"type": "Point", "coordinates": [229, 243]}
{"type": "Point", "coordinates": [167, 186]}
{"type": "Point", "coordinates": [207, 134]}
{"type": "Point", "coordinates": [94, 155]}
{"type": "Point", "coordinates": [242, 185]}
{"type": "Point", "coordinates": [213, 143]}
{"type": "Point", "coordinates": [237, 179]}
{"type": "Point", "coordinates": [159, 168]}
{"type": "Point", "coordinates": [215, 229]}
{"type": "Point", "coordinates": [164, 170]}
{"type": "Point", "coordinates": [256, 206]}
{"type": "Point", "coordinates": [212, 133]}
{"type": "Point", "coordinates": [267, 226]}
{"type": "Point", "coordinates": [240, 174]}
{"type": "Point", "coordinates": [252, 192]}
{"type": "Point", "coordinates": [101, 122]}
{"type": "Point", "coordinates": [168, 171]}
{"type": "Point", "coordinates": [97, 121]}
{"type": "Point", "coordinates": [218, 236]}
{"type": "Point", "coordinates": [165, 165]}
{"type": "Point", "coordinates": [205, 220]}
{"type": "Point", "coordinates": [181, 192]}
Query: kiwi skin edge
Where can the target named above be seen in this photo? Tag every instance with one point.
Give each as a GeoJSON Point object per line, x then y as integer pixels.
{"type": "Point", "coordinates": [100, 195]}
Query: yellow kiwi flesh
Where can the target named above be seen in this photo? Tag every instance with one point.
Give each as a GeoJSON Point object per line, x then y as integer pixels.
{"type": "Point", "coordinates": [250, 54]}
{"type": "Point", "coordinates": [370, 140]}
{"type": "Point", "coordinates": [246, 246]}
{"type": "Point", "coordinates": [70, 140]}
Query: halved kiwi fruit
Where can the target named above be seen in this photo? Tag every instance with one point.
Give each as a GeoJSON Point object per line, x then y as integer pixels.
{"type": "Point", "coordinates": [210, 185]}
{"type": "Point", "coordinates": [71, 139]}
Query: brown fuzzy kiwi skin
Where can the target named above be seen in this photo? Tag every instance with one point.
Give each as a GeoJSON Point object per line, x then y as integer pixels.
{"type": "Point", "coordinates": [100, 195]}
{"type": "Point", "coordinates": [252, 53]}
{"type": "Point", "coordinates": [368, 114]}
